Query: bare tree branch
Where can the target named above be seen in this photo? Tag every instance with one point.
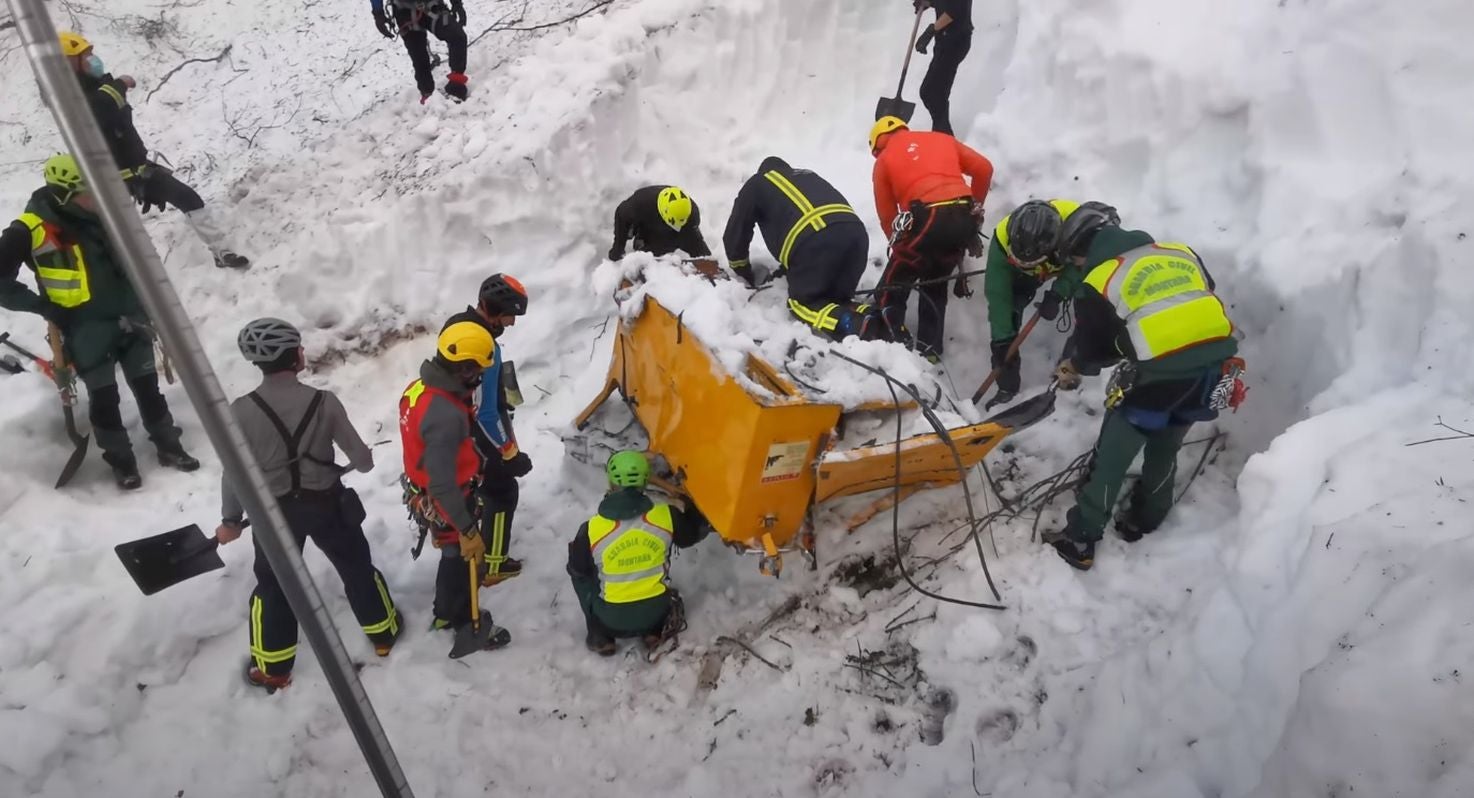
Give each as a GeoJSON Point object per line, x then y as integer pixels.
{"type": "Point", "coordinates": [171, 73]}
{"type": "Point", "coordinates": [514, 26]}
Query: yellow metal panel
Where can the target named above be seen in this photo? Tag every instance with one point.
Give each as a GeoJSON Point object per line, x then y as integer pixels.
{"type": "Point", "coordinates": [924, 459]}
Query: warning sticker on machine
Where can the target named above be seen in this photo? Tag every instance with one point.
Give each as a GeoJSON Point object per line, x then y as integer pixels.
{"type": "Point", "coordinates": [785, 461]}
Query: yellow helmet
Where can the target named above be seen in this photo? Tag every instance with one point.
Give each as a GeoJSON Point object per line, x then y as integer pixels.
{"type": "Point", "coordinates": [73, 43]}
{"type": "Point", "coordinates": [61, 171]}
{"type": "Point", "coordinates": [884, 125]}
{"type": "Point", "coordinates": [674, 206]}
{"type": "Point", "coordinates": [467, 340]}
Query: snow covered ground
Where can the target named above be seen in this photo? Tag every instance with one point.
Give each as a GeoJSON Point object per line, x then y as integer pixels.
{"type": "Point", "coordinates": [1298, 629]}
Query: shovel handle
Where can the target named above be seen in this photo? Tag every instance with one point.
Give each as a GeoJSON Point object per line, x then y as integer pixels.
{"type": "Point", "coordinates": [1018, 341]}
{"type": "Point", "coordinates": [475, 595]}
{"type": "Point", "coordinates": [910, 48]}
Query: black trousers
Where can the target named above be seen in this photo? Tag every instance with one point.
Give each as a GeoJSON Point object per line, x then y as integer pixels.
{"type": "Point", "coordinates": [825, 271]}
{"type": "Point", "coordinates": [930, 251]}
{"type": "Point", "coordinates": [499, 494]}
{"type": "Point", "coordinates": [416, 35]}
{"type": "Point", "coordinates": [273, 625]}
{"type": "Point", "coordinates": [936, 87]}
{"type": "Point", "coordinates": [163, 188]}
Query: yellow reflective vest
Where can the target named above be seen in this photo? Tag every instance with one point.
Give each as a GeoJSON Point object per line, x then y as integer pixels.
{"type": "Point", "coordinates": [1160, 291]}
{"type": "Point", "coordinates": [61, 270]}
{"type": "Point", "coordinates": [632, 554]}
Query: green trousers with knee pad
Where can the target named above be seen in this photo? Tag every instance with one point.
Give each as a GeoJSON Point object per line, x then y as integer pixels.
{"type": "Point", "coordinates": [97, 349]}
{"type": "Point", "coordinates": [1116, 448]}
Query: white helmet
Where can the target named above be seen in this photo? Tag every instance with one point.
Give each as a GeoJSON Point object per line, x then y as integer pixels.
{"type": "Point", "coordinates": [265, 340]}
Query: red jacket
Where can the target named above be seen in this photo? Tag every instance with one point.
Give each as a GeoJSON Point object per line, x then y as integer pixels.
{"type": "Point", "coordinates": [926, 167]}
{"type": "Point", "coordinates": [425, 412]}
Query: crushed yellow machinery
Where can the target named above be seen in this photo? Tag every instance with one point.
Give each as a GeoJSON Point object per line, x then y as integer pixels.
{"type": "Point", "coordinates": [756, 454]}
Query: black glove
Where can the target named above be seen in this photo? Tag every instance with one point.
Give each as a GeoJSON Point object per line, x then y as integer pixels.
{"type": "Point", "coordinates": [385, 24]}
{"type": "Point", "coordinates": [960, 289]}
{"type": "Point", "coordinates": [519, 465]}
{"type": "Point", "coordinates": [1049, 306]}
{"type": "Point", "coordinates": [616, 252]}
{"type": "Point", "coordinates": [745, 272]}
{"type": "Point", "coordinates": [925, 39]}
{"type": "Point", "coordinates": [459, 10]}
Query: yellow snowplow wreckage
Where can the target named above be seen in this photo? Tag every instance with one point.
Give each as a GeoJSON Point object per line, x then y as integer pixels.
{"type": "Point", "coordinates": [756, 465]}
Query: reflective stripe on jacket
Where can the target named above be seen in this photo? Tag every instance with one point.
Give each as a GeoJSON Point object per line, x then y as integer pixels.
{"type": "Point", "coordinates": [61, 269]}
{"type": "Point", "coordinates": [1161, 293]}
{"type": "Point", "coordinates": [632, 554]}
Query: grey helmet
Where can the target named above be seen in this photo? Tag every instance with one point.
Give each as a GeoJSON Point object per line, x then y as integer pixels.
{"type": "Point", "coordinates": [1079, 230]}
{"type": "Point", "coordinates": [265, 340]}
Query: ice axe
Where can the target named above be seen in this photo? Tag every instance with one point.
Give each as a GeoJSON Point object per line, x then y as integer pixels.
{"type": "Point", "coordinates": [65, 380]}
{"type": "Point", "coordinates": [1012, 353]}
{"type": "Point", "coordinates": [895, 106]}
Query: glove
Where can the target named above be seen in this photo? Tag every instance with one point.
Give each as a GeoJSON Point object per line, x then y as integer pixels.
{"type": "Point", "coordinates": [518, 465]}
{"type": "Point", "coordinates": [385, 24]}
{"type": "Point", "coordinates": [616, 253]}
{"type": "Point", "coordinates": [744, 271]}
{"type": "Point", "coordinates": [1066, 375]}
{"type": "Point", "coordinates": [960, 289]}
{"type": "Point", "coordinates": [459, 10]}
{"type": "Point", "coordinates": [1049, 306]}
{"type": "Point", "coordinates": [473, 548]}
{"type": "Point", "coordinates": [925, 39]}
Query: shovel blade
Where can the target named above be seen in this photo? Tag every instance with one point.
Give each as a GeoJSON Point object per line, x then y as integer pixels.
{"type": "Point", "coordinates": [74, 463]}
{"type": "Point", "coordinates": [895, 106]}
{"type": "Point", "coordinates": [471, 638]}
{"type": "Point", "coordinates": [165, 560]}
{"type": "Point", "coordinates": [1026, 413]}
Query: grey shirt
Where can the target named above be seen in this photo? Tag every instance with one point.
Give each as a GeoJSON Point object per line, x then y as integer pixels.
{"type": "Point", "coordinates": [289, 399]}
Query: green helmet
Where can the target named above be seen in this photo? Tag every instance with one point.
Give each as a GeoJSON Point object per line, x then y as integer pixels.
{"type": "Point", "coordinates": [628, 469]}
{"type": "Point", "coordinates": [62, 172]}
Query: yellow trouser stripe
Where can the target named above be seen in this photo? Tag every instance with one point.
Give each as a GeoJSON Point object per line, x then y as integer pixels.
{"type": "Point", "coordinates": [496, 552]}
{"type": "Point", "coordinates": [822, 319]}
{"type": "Point", "coordinates": [259, 652]}
{"type": "Point", "coordinates": [391, 623]}
{"type": "Point", "coordinates": [814, 217]}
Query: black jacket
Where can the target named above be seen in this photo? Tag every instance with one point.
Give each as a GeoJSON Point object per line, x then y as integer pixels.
{"type": "Point", "coordinates": [639, 218]}
{"type": "Point", "coordinates": [961, 13]}
{"type": "Point", "coordinates": [778, 199]}
{"type": "Point", "coordinates": [109, 100]}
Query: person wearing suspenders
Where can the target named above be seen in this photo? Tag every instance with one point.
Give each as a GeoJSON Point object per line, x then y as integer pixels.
{"type": "Point", "coordinates": [291, 429]}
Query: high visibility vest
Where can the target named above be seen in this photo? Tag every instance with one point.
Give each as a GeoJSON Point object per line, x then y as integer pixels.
{"type": "Point", "coordinates": [1161, 293]}
{"type": "Point", "coordinates": [412, 406]}
{"type": "Point", "coordinates": [631, 554]}
{"type": "Point", "coordinates": [61, 270]}
{"type": "Point", "coordinates": [811, 216]}
{"type": "Point", "coordinates": [1047, 268]}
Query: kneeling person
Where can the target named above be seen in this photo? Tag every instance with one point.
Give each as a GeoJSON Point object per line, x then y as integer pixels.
{"type": "Point", "coordinates": [619, 561]}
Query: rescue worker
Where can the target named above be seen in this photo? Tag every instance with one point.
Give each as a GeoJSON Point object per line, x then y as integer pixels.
{"type": "Point", "coordinates": [619, 560]}
{"type": "Point", "coordinates": [151, 185]}
{"type": "Point", "coordinates": [442, 466]}
{"type": "Point", "coordinates": [1151, 306]}
{"type": "Point", "coordinates": [501, 300]}
{"type": "Point", "coordinates": [414, 21]}
{"type": "Point", "coordinates": [291, 429]}
{"type": "Point", "coordinates": [820, 243]}
{"type": "Point", "coordinates": [660, 220]}
{"type": "Point", "coordinates": [934, 215]}
{"type": "Point", "coordinates": [89, 302]}
{"type": "Point", "coordinates": [952, 31]}
{"type": "Point", "coordinates": [1021, 259]}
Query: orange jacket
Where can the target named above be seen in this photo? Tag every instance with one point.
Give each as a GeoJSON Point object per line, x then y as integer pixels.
{"type": "Point", "coordinates": [926, 167]}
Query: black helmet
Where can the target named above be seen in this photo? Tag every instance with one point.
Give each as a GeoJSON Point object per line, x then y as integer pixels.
{"type": "Point", "coordinates": [1079, 230]}
{"type": "Point", "coordinates": [503, 296]}
{"type": "Point", "coordinates": [1033, 232]}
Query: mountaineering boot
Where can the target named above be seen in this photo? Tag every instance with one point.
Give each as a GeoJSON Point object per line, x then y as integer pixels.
{"type": "Point", "coordinates": [1079, 555]}
{"type": "Point", "coordinates": [1002, 397]}
{"type": "Point", "coordinates": [255, 678]}
{"type": "Point", "coordinates": [172, 455]}
{"type": "Point", "coordinates": [455, 86]}
{"type": "Point", "coordinates": [125, 470]}
{"type": "Point", "coordinates": [510, 567]}
{"type": "Point", "coordinates": [1129, 528]}
{"type": "Point", "coordinates": [424, 98]}
{"type": "Point", "coordinates": [603, 645]}
{"type": "Point", "coordinates": [230, 260]}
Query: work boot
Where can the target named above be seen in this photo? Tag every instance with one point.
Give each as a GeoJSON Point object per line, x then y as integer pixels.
{"type": "Point", "coordinates": [603, 645]}
{"type": "Point", "coordinates": [455, 86]}
{"type": "Point", "coordinates": [1130, 529]}
{"type": "Point", "coordinates": [230, 260]}
{"type": "Point", "coordinates": [438, 624]}
{"type": "Point", "coordinates": [1079, 555]}
{"type": "Point", "coordinates": [255, 678]}
{"type": "Point", "coordinates": [425, 98]}
{"type": "Point", "coordinates": [384, 641]}
{"type": "Point", "coordinates": [1002, 397]}
{"type": "Point", "coordinates": [510, 567]}
{"type": "Point", "coordinates": [172, 455]}
{"type": "Point", "coordinates": [125, 469]}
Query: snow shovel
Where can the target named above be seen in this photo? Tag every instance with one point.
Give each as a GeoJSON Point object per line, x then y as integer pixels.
{"type": "Point", "coordinates": [474, 636]}
{"type": "Point", "coordinates": [895, 106]}
{"type": "Point", "coordinates": [65, 380]}
{"type": "Point", "coordinates": [165, 560]}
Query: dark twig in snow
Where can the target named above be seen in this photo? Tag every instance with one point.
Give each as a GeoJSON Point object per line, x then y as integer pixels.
{"type": "Point", "coordinates": [1462, 435]}
{"type": "Point", "coordinates": [171, 73]}
{"type": "Point", "coordinates": [506, 24]}
{"type": "Point", "coordinates": [873, 672]}
{"type": "Point", "coordinates": [975, 791]}
{"type": "Point", "coordinates": [750, 650]}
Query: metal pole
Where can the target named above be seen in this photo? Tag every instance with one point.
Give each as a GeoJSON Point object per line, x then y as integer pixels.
{"type": "Point", "coordinates": [62, 93]}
